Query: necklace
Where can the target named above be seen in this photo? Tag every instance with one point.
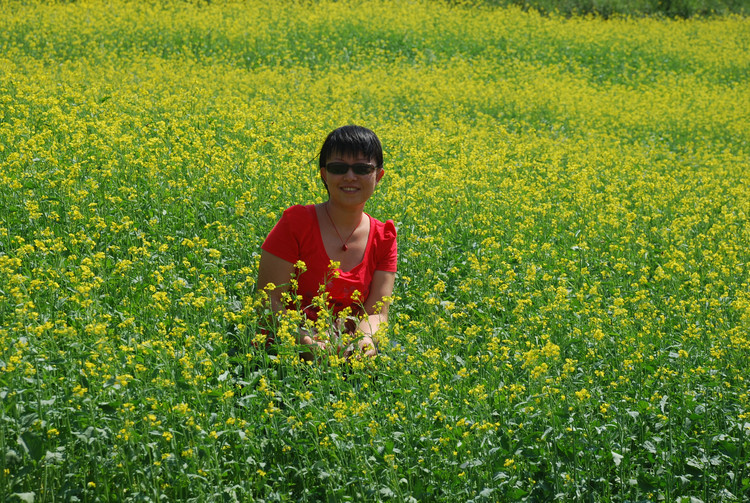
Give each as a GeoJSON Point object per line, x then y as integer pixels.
{"type": "Point", "coordinates": [343, 243]}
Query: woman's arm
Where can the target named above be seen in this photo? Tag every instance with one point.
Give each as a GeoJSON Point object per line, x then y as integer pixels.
{"type": "Point", "coordinates": [278, 271]}
{"type": "Point", "coordinates": [376, 309]}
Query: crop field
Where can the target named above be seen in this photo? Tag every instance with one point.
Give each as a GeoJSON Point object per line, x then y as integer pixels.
{"type": "Point", "coordinates": [572, 308]}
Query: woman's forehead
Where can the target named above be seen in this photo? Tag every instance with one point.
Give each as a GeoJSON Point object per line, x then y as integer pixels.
{"type": "Point", "coordinates": [343, 154]}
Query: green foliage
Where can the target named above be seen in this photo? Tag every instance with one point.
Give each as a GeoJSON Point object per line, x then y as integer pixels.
{"type": "Point", "coordinates": [633, 8]}
{"type": "Point", "coordinates": [573, 299]}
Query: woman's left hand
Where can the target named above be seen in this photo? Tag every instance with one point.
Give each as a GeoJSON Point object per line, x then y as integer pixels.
{"type": "Point", "coordinates": [367, 345]}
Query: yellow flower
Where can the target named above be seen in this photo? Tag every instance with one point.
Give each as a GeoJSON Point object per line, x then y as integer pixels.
{"type": "Point", "coordinates": [583, 394]}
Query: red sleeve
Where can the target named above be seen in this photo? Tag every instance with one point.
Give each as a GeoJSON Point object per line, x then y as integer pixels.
{"type": "Point", "coordinates": [387, 259]}
{"type": "Point", "coordinates": [284, 240]}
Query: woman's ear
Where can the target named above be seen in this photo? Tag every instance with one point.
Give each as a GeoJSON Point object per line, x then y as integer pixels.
{"type": "Point", "coordinates": [379, 175]}
{"type": "Point", "coordinates": [323, 174]}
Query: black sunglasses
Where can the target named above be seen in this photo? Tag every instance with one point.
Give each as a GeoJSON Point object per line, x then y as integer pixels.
{"type": "Point", "coordinates": [340, 168]}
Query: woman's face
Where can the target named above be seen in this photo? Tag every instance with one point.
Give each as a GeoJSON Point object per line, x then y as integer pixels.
{"type": "Point", "coordinates": [350, 189]}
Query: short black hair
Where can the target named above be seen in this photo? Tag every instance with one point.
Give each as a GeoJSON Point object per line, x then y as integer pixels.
{"type": "Point", "coordinates": [351, 140]}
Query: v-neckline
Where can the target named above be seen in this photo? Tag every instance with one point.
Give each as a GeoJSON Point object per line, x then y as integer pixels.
{"type": "Point", "coordinates": [323, 246]}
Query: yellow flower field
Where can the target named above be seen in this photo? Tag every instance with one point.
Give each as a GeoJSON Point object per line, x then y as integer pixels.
{"type": "Point", "coordinates": [572, 312]}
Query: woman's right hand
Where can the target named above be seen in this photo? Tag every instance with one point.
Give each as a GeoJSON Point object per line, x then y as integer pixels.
{"type": "Point", "coordinates": [310, 339]}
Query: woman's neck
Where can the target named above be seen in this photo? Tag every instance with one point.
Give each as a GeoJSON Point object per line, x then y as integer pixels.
{"type": "Point", "coordinates": [344, 217]}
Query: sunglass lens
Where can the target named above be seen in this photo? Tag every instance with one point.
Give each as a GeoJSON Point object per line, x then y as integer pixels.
{"type": "Point", "coordinates": [339, 168]}
{"type": "Point", "coordinates": [363, 169]}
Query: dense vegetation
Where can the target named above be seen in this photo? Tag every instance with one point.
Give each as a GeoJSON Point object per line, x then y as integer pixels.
{"type": "Point", "coordinates": [633, 8]}
{"type": "Point", "coordinates": [572, 317]}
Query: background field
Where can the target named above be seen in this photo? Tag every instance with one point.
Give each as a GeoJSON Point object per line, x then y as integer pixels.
{"type": "Point", "coordinates": [637, 8]}
{"type": "Point", "coordinates": [571, 196]}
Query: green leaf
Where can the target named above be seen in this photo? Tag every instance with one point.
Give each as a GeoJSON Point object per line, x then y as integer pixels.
{"type": "Point", "coordinates": [647, 482]}
{"type": "Point", "coordinates": [617, 458]}
{"type": "Point", "coordinates": [516, 493]}
{"type": "Point", "coordinates": [729, 449]}
{"type": "Point", "coordinates": [53, 458]}
{"type": "Point", "coordinates": [387, 492]}
{"type": "Point", "coordinates": [32, 444]}
{"type": "Point", "coordinates": [486, 492]}
{"type": "Point", "coordinates": [389, 447]}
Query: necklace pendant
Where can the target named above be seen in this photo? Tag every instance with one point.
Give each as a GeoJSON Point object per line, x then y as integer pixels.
{"type": "Point", "coordinates": [344, 247]}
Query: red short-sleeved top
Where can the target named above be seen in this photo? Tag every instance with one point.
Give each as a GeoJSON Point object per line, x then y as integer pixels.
{"type": "Point", "coordinates": [296, 236]}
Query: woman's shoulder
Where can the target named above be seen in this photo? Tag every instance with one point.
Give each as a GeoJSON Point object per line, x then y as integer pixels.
{"type": "Point", "coordinates": [385, 246]}
{"type": "Point", "coordinates": [293, 229]}
{"type": "Point", "coordinates": [299, 212]}
{"type": "Point", "coordinates": [384, 230]}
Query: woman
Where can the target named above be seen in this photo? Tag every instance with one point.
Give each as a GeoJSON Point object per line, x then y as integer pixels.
{"type": "Point", "coordinates": [351, 166]}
